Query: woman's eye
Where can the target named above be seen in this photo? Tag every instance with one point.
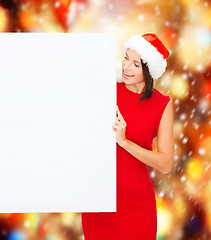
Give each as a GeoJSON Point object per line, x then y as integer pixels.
{"type": "Point", "coordinates": [134, 63]}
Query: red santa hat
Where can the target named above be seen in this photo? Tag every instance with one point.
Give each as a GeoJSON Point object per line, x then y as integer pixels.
{"type": "Point", "coordinates": [152, 52]}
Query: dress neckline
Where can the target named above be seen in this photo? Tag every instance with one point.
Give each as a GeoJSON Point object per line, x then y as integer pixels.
{"type": "Point", "coordinates": [131, 92]}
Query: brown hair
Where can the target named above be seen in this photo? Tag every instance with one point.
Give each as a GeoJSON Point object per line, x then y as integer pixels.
{"type": "Point", "coordinates": [149, 88]}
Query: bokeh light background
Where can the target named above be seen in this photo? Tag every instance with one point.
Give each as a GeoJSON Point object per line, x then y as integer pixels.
{"type": "Point", "coordinates": [184, 195]}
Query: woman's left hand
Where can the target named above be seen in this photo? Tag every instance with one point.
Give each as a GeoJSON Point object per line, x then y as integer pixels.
{"type": "Point", "coordinates": [120, 128]}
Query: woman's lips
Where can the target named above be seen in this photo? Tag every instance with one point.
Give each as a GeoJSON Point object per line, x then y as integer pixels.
{"type": "Point", "coordinates": [126, 76]}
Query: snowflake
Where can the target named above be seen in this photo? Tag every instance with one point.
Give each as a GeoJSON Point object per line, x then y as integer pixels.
{"type": "Point", "coordinates": [183, 178]}
{"type": "Point", "coordinates": [185, 140]}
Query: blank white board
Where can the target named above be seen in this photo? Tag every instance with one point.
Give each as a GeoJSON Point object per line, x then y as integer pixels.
{"type": "Point", "coordinates": [57, 108]}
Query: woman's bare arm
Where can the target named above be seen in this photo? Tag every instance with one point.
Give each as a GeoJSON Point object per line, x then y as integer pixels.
{"type": "Point", "coordinates": [162, 160]}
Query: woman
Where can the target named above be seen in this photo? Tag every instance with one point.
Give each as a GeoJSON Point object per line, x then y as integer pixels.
{"type": "Point", "coordinates": [143, 113]}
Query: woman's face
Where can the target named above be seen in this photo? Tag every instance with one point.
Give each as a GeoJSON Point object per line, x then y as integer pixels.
{"type": "Point", "coordinates": [131, 65]}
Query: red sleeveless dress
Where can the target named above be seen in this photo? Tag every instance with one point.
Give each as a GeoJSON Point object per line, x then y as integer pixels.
{"type": "Point", "coordinates": [136, 216]}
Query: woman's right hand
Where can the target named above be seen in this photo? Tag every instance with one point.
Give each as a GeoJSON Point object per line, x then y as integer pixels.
{"type": "Point", "coordinates": [120, 128]}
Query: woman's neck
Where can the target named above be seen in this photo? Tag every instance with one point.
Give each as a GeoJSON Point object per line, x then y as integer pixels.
{"type": "Point", "coordinates": [135, 88]}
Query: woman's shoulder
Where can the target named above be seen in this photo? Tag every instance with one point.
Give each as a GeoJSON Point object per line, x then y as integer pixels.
{"type": "Point", "coordinates": [159, 95]}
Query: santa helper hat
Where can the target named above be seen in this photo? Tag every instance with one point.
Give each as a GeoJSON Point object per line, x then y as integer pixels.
{"type": "Point", "coordinates": [152, 52]}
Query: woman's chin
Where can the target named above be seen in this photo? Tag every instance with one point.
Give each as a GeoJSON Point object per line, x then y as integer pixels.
{"type": "Point", "coordinates": [127, 81]}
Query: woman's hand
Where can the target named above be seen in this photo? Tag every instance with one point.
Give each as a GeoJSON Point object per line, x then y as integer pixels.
{"type": "Point", "coordinates": [120, 128]}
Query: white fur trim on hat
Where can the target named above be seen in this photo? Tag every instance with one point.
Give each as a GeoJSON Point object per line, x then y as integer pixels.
{"type": "Point", "coordinates": [149, 54]}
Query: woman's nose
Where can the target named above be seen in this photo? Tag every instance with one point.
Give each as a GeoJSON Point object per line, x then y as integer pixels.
{"type": "Point", "coordinates": [126, 66]}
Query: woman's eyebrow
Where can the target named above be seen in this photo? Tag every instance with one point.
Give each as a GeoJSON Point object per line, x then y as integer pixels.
{"type": "Point", "coordinates": [133, 60]}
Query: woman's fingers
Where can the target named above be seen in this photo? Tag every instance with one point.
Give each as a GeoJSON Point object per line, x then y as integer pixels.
{"type": "Point", "coordinates": [120, 120]}
{"type": "Point", "coordinates": [117, 121]}
{"type": "Point", "coordinates": [117, 111]}
{"type": "Point", "coordinates": [116, 127]}
{"type": "Point", "coordinates": [119, 114]}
